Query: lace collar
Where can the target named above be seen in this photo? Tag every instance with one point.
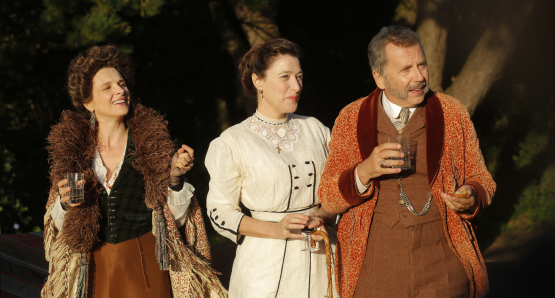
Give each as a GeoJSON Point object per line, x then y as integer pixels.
{"type": "Point", "coordinates": [281, 133]}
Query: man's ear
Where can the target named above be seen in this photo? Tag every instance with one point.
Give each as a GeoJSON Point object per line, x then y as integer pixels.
{"type": "Point", "coordinates": [257, 81]}
{"type": "Point", "coordinates": [380, 80]}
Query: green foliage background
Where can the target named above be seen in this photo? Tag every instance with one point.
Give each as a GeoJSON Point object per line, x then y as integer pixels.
{"type": "Point", "coordinates": [182, 70]}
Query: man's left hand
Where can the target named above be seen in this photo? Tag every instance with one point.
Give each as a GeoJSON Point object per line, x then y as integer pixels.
{"type": "Point", "coordinates": [461, 204]}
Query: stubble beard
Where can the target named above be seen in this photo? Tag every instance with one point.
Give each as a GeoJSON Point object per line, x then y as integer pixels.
{"type": "Point", "coordinates": [404, 94]}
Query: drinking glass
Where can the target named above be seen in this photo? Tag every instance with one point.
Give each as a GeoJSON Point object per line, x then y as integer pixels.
{"type": "Point", "coordinates": [77, 183]}
{"type": "Point", "coordinates": [404, 141]}
{"type": "Point", "coordinates": [310, 244]}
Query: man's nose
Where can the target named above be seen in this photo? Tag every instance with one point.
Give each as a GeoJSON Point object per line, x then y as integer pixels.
{"type": "Point", "coordinates": [418, 75]}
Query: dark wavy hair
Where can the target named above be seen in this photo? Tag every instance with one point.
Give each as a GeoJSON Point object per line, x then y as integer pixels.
{"type": "Point", "coordinates": [84, 67]}
{"type": "Point", "coordinates": [260, 57]}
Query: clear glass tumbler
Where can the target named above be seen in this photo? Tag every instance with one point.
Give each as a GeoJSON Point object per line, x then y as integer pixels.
{"type": "Point", "coordinates": [77, 183]}
{"type": "Point", "coordinates": [404, 141]}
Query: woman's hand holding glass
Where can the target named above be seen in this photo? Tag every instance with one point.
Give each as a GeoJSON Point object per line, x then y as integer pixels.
{"type": "Point", "coordinates": [63, 191]}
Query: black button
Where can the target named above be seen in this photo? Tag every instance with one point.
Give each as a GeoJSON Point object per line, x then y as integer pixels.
{"type": "Point", "coordinates": [310, 174]}
{"type": "Point", "coordinates": [223, 223]}
{"type": "Point", "coordinates": [216, 217]}
{"type": "Point", "coordinates": [293, 165]}
{"type": "Point", "coordinates": [307, 162]}
{"type": "Point", "coordinates": [296, 187]}
{"type": "Point", "coordinates": [296, 177]}
{"type": "Point", "coordinates": [214, 210]}
{"type": "Point", "coordinates": [309, 185]}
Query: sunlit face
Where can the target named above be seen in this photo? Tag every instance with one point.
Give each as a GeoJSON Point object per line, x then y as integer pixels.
{"type": "Point", "coordinates": [281, 87]}
{"type": "Point", "coordinates": [405, 79]}
{"type": "Point", "coordinates": [110, 95]}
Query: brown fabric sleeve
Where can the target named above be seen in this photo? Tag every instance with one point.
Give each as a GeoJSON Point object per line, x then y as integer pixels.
{"type": "Point", "coordinates": [347, 187]}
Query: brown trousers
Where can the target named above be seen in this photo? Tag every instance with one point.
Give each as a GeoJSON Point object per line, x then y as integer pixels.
{"type": "Point", "coordinates": [127, 269]}
{"type": "Point", "coordinates": [410, 262]}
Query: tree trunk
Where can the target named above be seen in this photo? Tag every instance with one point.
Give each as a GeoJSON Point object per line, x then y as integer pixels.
{"type": "Point", "coordinates": [406, 13]}
{"type": "Point", "coordinates": [485, 62]}
{"type": "Point", "coordinates": [432, 28]}
{"type": "Point", "coordinates": [489, 56]}
{"type": "Point", "coordinates": [258, 24]}
{"type": "Point", "coordinates": [431, 19]}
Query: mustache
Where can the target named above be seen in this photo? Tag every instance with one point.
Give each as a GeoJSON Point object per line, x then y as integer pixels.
{"type": "Point", "coordinates": [415, 86]}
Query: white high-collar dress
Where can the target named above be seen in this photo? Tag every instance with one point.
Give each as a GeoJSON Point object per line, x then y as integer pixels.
{"type": "Point", "coordinates": [273, 168]}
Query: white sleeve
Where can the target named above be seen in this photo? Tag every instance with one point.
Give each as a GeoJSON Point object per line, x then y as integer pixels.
{"type": "Point", "coordinates": [179, 201]}
{"type": "Point", "coordinates": [58, 214]}
{"type": "Point", "coordinates": [360, 186]}
{"type": "Point", "coordinates": [224, 193]}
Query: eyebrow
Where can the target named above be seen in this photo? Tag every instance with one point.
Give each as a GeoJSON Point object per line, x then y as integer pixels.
{"type": "Point", "coordinates": [109, 82]}
{"type": "Point", "coordinates": [287, 71]}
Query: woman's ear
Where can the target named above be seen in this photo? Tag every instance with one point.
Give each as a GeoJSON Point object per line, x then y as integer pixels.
{"type": "Point", "coordinates": [89, 106]}
{"type": "Point", "coordinates": [257, 81]}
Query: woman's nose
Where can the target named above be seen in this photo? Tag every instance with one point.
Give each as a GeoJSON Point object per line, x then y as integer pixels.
{"type": "Point", "coordinates": [296, 85]}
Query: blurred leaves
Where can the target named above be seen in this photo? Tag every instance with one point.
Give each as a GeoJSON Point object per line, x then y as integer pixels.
{"type": "Point", "coordinates": [85, 23]}
{"type": "Point", "coordinates": [11, 208]}
{"type": "Point", "coordinates": [536, 205]}
{"type": "Point", "coordinates": [528, 150]}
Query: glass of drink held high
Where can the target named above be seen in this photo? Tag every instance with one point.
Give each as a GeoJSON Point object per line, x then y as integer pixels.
{"type": "Point", "coordinates": [404, 141]}
{"type": "Point", "coordinates": [77, 183]}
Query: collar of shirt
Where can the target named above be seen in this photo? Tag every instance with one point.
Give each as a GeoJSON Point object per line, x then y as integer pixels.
{"type": "Point", "coordinates": [392, 110]}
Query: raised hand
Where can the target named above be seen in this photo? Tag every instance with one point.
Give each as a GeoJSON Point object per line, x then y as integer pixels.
{"type": "Point", "coordinates": [182, 161]}
{"type": "Point", "coordinates": [378, 163]}
{"type": "Point", "coordinates": [62, 191]}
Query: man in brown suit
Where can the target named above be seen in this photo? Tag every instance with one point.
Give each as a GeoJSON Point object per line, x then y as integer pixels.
{"type": "Point", "coordinates": [404, 233]}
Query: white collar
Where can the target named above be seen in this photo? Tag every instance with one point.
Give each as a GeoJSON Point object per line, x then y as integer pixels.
{"type": "Point", "coordinates": [393, 110]}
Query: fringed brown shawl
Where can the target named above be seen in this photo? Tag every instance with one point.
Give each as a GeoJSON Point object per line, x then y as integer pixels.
{"type": "Point", "coordinates": [71, 148]}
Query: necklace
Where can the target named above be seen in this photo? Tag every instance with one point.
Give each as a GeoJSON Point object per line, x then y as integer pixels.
{"type": "Point", "coordinates": [404, 200]}
{"type": "Point", "coordinates": [108, 184]}
{"type": "Point", "coordinates": [276, 124]}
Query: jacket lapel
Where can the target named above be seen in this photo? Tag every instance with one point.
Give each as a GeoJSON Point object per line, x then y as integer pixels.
{"type": "Point", "coordinates": [435, 128]}
{"type": "Point", "coordinates": [367, 126]}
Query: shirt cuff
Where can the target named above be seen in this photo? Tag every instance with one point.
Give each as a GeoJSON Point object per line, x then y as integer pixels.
{"type": "Point", "coordinates": [179, 201]}
{"type": "Point", "coordinates": [361, 187]}
{"type": "Point", "coordinates": [58, 214]}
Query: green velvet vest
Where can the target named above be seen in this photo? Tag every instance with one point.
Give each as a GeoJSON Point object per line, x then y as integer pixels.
{"type": "Point", "coordinates": [124, 212]}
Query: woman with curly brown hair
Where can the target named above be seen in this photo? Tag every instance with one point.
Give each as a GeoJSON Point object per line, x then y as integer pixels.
{"type": "Point", "coordinates": [124, 238]}
{"type": "Point", "coordinates": [271, 163]}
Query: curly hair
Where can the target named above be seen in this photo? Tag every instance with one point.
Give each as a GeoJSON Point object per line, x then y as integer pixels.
{"type": "Point", "coordinates": [84, 67]}
{"type": "Point", "coordinates": [260, 57]}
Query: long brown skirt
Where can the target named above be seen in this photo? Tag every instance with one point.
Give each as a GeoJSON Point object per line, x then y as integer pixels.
{"type": "Point", "coordinates": [127, 269]}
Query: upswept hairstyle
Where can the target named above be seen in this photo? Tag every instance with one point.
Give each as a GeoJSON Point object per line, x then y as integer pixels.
{"type": "Point", "coordinates": [84, 67]}
{"type": "Point", "coordinates": [260, 57]}
{"type": "Point", "coordinates": [397, 35]}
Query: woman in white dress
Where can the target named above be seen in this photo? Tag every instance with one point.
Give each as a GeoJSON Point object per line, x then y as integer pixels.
{"type": "Point", "coordinates": [271, 163]}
